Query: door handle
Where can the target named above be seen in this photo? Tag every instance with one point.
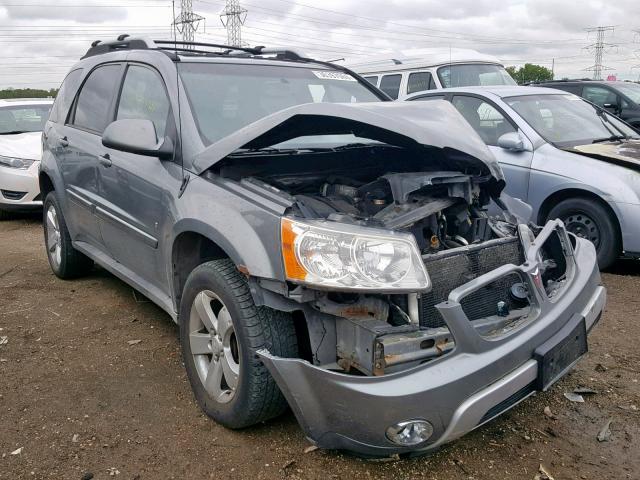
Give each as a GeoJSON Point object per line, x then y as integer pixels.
{"type": "Point", "coordinates": [105, 160]}
{"type": "Point", "coordinates": [63, 142]}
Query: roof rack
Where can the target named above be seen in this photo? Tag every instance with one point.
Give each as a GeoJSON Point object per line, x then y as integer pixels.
{"type": "Point", "coordinates": [126, 42]}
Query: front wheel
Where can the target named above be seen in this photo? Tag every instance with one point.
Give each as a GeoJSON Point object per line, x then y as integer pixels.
{"type": "Point", "coordinates": [590, 220]}
{"type": "Point", "coordinates": [221, 330]}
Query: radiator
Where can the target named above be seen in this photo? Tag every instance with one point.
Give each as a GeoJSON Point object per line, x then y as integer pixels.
{"type": "Point", "coordinates": [450, 269]}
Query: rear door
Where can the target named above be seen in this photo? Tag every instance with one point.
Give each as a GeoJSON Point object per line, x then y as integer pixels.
{"type": "Point", "coordinates": [79, 145]}
{"type": "Point", "coordinates": [136, 191]}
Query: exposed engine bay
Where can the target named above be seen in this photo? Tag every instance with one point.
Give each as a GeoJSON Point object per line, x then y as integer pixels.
{"type": "Point", "coordinates": [444, 209]}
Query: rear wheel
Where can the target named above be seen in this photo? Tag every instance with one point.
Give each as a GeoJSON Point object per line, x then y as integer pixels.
{"type": "Point", "coordinates": [66, 262]}
{"type": "Point", "coordinates": [590, 220]}
{"type": "Point", "coordinates": [221, 330]}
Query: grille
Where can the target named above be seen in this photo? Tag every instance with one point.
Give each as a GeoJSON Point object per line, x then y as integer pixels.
{"type": "Point", "coordinates": [451, 269]}
{"type": "Point", "coordinates": [11, 195]}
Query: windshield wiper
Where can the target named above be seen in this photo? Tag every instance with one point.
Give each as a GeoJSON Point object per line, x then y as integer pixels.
{"type": "Point", "coordinates": [612, 138]}
{"type": "Point", "coordinates": [14, 132]}
{"type": "Point", "coordinates": [602, 115]}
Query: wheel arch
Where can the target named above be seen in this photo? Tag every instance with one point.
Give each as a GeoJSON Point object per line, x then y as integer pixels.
{"type": "Point", "coordinates": [193, 247]}
{"type": "Point", "coordinates": [46, 184]}
{"type": "Point", "coordinates": [564, 194]}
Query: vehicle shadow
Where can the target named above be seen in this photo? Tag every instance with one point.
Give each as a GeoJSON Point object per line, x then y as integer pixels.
{"type": "Point", "coordinates": [28, 218]}
{"type": "Point", "coordinates": [627, 267]}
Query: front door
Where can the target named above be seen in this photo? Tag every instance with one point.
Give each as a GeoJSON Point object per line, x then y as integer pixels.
{"type": "Point", "coordinates": [490, 123]}
{"type": "Point", "coordinates": [136, 190]}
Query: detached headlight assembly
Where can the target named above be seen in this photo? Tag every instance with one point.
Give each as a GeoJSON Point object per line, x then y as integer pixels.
{"type": "Point", "coordinates": [12, 162]}
{"type": "Point", "coordinates": [349, 257]}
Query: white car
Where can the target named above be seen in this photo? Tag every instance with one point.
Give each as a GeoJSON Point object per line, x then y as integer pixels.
{"type": "Point", "coordinates": [21, 124]}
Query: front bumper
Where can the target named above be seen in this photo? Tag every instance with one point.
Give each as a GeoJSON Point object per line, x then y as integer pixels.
{"type": "Point", "coordinates": [20, 187]}
{"type": "Point", "coordinates": [456, 393]}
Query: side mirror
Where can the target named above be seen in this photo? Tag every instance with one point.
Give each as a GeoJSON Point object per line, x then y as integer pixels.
{"type": "Point", "coordinates": [137, 136]}
{"type": "Point", "coordinates": [511, 141]}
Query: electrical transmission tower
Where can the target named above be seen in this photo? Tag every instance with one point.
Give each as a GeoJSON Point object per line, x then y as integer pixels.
{"type": "Point", "coordinates": [598, 49]}
{"type": "Point", "coordinates": [187, 22]}
{"type": "Point", "coordinates": [233, 17]}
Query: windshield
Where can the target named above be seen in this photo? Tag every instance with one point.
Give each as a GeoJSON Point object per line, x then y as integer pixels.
{"type": "Point", "coordinates": [225, 97]}
{"type": "Point", "coordinates": [567, 120]}
{"type": "Point", "coordinates": [473, 75]}
{"type": "Point", "coordinates": [631, 90]}
{"type": "Point", "coordinates": [23, 118]}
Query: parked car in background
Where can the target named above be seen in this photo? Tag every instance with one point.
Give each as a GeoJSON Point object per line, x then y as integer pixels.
{"type": "Point", "coordinates": [21, 124]}
{"type": "Point", "coordinates": [333, 256]}
{"type": "Point", "coordinates": [620, 98]}
{"type": "Point", "coordinates": [567, 158]}
{"type": "Point", "coordinates": [418, 70]}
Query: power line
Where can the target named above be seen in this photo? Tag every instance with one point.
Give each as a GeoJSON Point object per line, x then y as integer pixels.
{"type": "Point", "coordinates": [598, 49]}
{"type": "Point", "coordinates": [233, 17]}
{"type": "Point", "coordinates": [187, 23]}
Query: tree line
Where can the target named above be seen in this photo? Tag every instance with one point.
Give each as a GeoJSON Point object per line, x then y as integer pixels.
{"type": "Point", "coordinates": [27, 93]}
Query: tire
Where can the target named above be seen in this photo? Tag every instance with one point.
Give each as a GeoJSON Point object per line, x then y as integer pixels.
{"type": "Point", "coordinates": [589, 219]}
{"type": "Point", "coordinates": [66, 262]}
{"type": "Point", "coordinates": [216, 292]}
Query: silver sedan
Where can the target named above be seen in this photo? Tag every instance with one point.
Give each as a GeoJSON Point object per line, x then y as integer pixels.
{"type": "Point", "coordinates": [564, 156]}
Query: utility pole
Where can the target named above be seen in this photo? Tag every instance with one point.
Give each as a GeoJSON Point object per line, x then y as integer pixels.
{"type": "Point", "coordinates": [598, 49]}
{"type": "Point", "coordinates": [187, 22]}
{"type": "Point", "coordinates": [233, 17]}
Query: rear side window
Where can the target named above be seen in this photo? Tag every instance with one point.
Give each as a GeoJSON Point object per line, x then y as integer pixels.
{"type": "Point", "coordinates": [575, 89]}
{"type": "Point", "coordinates": [390, 84]}
{"type": "Point", "coordinates": [144, 97]}
{"type": "Point", "coordinates": [94, 100]}
{"type": "Point", "coordinates": [65, 96]}
{"type": "Point", "coordinates": [420, 81]}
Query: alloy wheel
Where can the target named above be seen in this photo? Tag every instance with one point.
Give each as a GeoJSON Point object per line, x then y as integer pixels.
{"type": "Point", "coordinates": [54, 239]}
{"type": "Point", "coordinates": [214, 346]}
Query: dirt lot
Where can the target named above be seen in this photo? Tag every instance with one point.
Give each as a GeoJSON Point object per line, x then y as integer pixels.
{"type": "Point", "coordinates": [76, 398]}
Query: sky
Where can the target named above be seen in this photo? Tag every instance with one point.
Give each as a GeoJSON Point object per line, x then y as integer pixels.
{"type": "Point", "coordinates": [40, 40]}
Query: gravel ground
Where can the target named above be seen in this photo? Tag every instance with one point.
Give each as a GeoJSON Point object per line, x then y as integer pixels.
{"type": "Point", "coordinates": [77, 399]}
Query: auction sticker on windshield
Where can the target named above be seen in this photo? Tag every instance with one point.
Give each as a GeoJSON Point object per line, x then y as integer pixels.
{"type": "Point", "coordinates": [333, 76]}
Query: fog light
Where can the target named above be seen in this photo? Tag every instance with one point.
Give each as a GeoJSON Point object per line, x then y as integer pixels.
{"type": "Point", "coordinates": [411, 432]}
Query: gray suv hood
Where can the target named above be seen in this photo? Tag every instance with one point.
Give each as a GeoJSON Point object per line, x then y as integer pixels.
{"type": "Point", "coordinates": [435, 123]}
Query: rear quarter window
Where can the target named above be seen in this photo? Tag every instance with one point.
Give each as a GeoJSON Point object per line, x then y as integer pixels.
{"type": "Point", "coordinates": [390, 84]}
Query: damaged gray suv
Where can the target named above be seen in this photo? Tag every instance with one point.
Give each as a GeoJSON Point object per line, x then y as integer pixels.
{"type": "Point", "coordinates": [320, 247]}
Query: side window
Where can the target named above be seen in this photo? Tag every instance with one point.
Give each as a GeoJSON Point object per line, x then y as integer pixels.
{"type": "Point", "coordinates": [144, 97]}
{"type": "Point", "coordinates": [65, 96]}
{"type": "Point", "coordinates": [483, 117]}
{"type": "Point", "coordinates": [94, 100]}
{"type": "Point", "coordinates": [420, 81]}
{"type": "Point", "coordinates": [390, 84]}
{"type": "Point", "coordinates": [372, 80]}
{"type": "Point", "coordinates": [599, 95]}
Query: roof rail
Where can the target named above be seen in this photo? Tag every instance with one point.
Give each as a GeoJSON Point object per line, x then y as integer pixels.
{"type": "Point", "coordinates": [123, 42]}
{"type": "Point", "coordinates": [227, 49]}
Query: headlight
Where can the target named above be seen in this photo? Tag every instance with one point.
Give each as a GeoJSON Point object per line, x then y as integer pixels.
{"type": "Point", "coordinates": [351, 257]}
{"type": "Point", "coordinates": [12, 162]}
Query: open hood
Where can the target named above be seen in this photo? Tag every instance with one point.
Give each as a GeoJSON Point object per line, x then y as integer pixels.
{"type": "Point", "coordinates": [433, 124]}
{"type": "Point", "coordinates": [625, 153]}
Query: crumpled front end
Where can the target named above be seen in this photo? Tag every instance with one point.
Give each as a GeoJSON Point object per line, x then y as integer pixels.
{"type": "Point", "coordinates": [491, 357]}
